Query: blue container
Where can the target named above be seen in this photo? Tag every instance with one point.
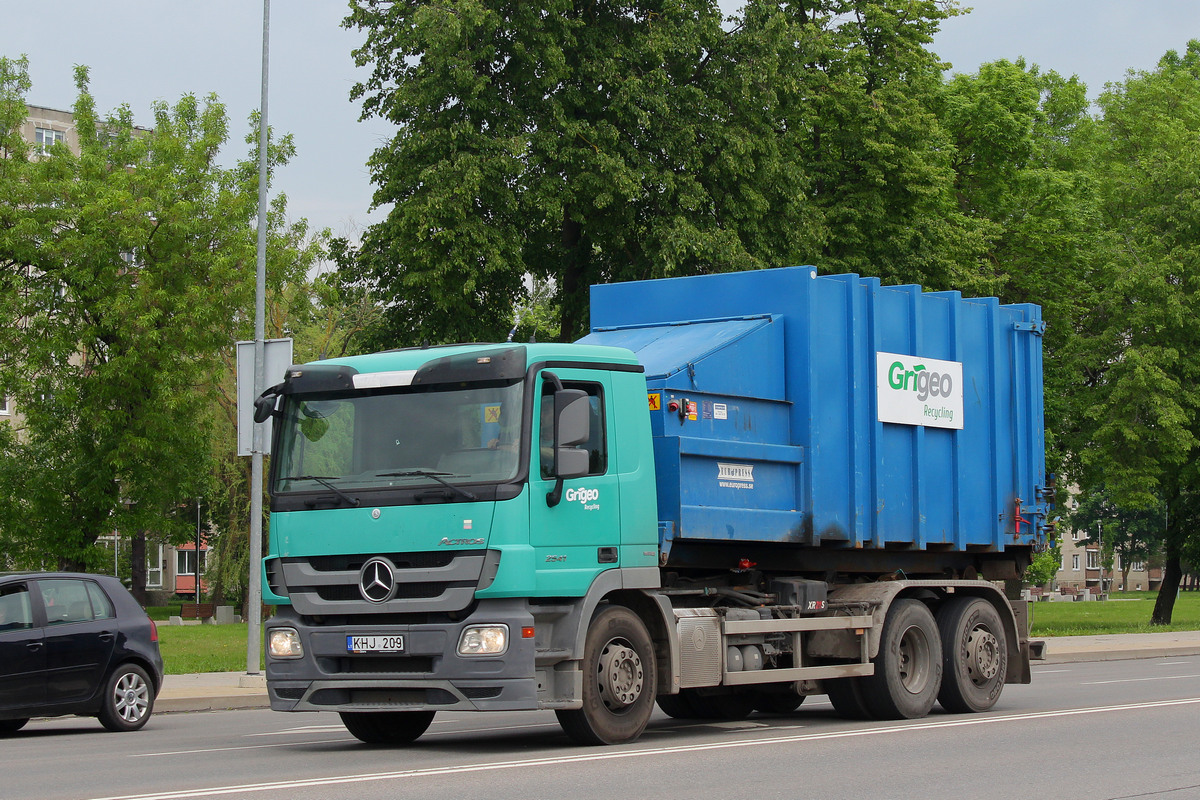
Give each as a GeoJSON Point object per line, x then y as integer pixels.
{"type": "Point", "coordinates": [832, 412]}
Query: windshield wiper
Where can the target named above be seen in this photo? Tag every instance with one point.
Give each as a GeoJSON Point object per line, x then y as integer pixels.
{"type": "Point", "coordinates": [428, 473]}
{"type": "Point", "coordinates": [327, 482]}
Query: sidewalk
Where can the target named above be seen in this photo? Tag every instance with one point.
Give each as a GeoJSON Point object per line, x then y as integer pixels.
{"type": "Point", "coordinates": [217, 691]}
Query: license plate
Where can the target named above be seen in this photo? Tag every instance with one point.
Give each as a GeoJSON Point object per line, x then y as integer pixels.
{"type": "Point", "coordinates": [374, 644]}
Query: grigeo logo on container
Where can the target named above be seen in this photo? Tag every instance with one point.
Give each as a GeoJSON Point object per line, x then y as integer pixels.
{"type": "Point", "coordinates": [911, 390]}
{"type": "Point", "coordinates": [924, 382]}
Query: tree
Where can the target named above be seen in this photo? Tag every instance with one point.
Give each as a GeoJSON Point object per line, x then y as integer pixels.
{"type": "Point", "coordinates": [591, 142]}
{"type": "Point", "coordinates": [1134, 534]}
{"type": "Point", "coordinates": [122, 268]}
{"type": "Point", "coordinates": [1138, 398]}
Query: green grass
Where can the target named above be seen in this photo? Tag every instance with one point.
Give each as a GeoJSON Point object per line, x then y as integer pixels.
{"type": "Point", "coordinates": [203, 648]}
{"type": "Point", "coordinates": [1123, 612]}
{"type": "Point", "coordinates": [222, 648]}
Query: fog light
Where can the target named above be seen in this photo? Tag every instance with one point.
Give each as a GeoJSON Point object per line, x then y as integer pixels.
{"type": "Point", "coordinates": [479, 640]}
{"type": "Point", "coordinates": [284, 643]}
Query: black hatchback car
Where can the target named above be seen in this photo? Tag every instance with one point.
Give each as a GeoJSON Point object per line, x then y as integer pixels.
{"type": "Point", "coordinates": [75, 644]}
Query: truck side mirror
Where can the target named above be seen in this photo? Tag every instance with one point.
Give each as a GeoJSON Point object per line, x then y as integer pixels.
{"type": "Point", "coordinates": [572, 424]}
{"type": "Point", "coordinates": [264, 404]}
{"type": "Point", "coordinates": [572, 417]}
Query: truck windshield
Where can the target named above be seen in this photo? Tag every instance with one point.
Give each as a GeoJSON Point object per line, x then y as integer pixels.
{"type": "Point", "coordinates": [410, 436]}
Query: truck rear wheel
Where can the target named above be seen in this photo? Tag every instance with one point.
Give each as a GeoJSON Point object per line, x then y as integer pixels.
{"type": "Point", "coordinates": [619, 680]}
{"type": "Point", "coordinates": [908, 668]}
{"type": "Point", "coordinates": [387, 727]}
{"type": "Point", "coordinates": [974, 655]}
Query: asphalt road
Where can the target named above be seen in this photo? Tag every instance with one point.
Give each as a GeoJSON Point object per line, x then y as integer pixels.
{"type": "Point", "coordinates": [1096, 730]}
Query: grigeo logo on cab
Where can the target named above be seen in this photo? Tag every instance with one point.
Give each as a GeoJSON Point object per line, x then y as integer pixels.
{"type": "Point", "coordinates": [587, 497]}
{"type": "Point", "coordinates": [919, 391]}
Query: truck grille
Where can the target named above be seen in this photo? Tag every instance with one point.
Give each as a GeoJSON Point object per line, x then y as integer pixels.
{"type": "Point", "coordinates": [424, 581]}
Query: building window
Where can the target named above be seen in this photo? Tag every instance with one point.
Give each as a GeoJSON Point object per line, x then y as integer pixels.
{"type": "Point", "coordinates": [45, 138]}
{"type": "Point", "coordinates": [1075, 562]}
{"type": "Point", "coordinates": [185, 561]}
{"type": "Point", "coordinates": [3, 405]}
{"type": "Point", "coordinates": [1093, 559]}
{"type": "Point", "coordinates": [1137, 566]}
{"type": "Point", "coordinates": [154, 569]}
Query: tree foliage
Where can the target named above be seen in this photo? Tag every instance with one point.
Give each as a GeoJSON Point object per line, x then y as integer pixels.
{"type": "Point", "coordinates": [1138, 399]}
{"type": "Point", "coordinates": [122, 268]}
{"type": "Point", "coordinates": [592, 142]}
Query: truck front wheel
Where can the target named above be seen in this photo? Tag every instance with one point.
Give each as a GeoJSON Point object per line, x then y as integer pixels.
{"type": "Point", "coordinates": [387, 727]}
{"type": "Point", "coordinates": [908, 669]}
{"type": "Point", "coordinates": [975, 655]}
{"type": "Point", "coordinates": [619, 679]}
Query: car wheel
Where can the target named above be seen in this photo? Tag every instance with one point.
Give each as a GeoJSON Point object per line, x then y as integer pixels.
{"type": "Point", "coordinates": [8, 726]}
{"type": "Point", "coordinates": [128, 699]}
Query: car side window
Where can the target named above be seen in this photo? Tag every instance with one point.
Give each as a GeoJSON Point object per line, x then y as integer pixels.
{"type": "Point", "coordinates": [66, 600]}
{"type": "Point", "coordinates": [102, 607]}
{"type": "Point", "coordinates": [16, 613]}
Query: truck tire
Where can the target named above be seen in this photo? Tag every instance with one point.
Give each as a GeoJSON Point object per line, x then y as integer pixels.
{"type": "Point", "coordinates": [619, 680]}
{"type": "Point", "coordinates": [768, 701]}
{"type": "Point", "coordinates": [908, 668]}
{"type": "Point", "coordinates": [719, 703]}
{"type": "Point", "coordinates": [677, 706]}
{"type": "Point", "coordinates": [128, 699]}
{"type": "Point", "coordinates": [8, 726]}
{"type": "Point", "coordinates": [387, 727]}
{"type": "Point", "coordinates": [974, 655]}
{"type": "Point", "coordinates": [847, 698]}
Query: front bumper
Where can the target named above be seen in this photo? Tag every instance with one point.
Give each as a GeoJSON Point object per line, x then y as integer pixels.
{"type": "Point", "coordinates": [428, 675]}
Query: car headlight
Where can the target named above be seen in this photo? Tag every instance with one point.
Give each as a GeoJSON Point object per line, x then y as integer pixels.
{"type": "Point", "coordinates": [479, 640]}
{"type": "Point", "coordinates": [284, 643]}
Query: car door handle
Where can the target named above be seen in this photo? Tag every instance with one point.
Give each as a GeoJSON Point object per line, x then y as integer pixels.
{"type": "Point", "coordinates": [34, 645]}
{"type": "Point", "coordinates": [107, 636]}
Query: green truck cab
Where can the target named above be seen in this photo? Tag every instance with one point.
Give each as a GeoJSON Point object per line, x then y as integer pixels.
{"type": "Point", "coordinates": [431, 546]}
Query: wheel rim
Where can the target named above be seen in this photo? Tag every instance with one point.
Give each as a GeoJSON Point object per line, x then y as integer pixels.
{"type": "Point", "coordinates": [131, 697]}
{"type": "Point", "coordinates": [983, 656]}
{"type": "Point", "coordinates": [621, 675]}
{"type": "Point", "coordinates": [914, 661]}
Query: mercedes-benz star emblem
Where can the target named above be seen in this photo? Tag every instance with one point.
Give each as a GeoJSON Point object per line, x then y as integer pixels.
{"type": "Point", "coordinates": [376, 581]}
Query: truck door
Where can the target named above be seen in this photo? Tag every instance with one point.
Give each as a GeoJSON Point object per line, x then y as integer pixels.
{"type": "Point", "coordinates": [580, 536]}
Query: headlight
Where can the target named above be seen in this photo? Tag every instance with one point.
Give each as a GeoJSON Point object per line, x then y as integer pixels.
{"type": "Point", "coordinates": [284, 643]}
{"type": "Point", "coordinates": [479, 640]}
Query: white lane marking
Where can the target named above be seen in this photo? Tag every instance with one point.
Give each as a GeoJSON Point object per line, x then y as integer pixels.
{"type": "Point", "coordinates": [1052, 671]}
{"type": "Point", "coordinates": [614, 754]}
{"type": "Point", "coordinates": [301, 729]}
{"type": "Point", "coordinates": [1139, 680]}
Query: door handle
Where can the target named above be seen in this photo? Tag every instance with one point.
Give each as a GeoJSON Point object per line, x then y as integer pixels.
{"type": "Point", "coordinates": [33, 645]}
{"type": "Point", "coordinates": [106, 636]}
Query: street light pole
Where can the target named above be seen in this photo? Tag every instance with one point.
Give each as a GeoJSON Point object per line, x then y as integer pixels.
{"type": "Point", "coordinates": [254, 612]}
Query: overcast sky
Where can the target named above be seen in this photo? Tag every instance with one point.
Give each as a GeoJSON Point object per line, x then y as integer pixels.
{"type": "Point", "coordinates": [140, 51]}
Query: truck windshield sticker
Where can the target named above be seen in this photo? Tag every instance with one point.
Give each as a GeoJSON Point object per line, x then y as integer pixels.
{"type": "Point", "coordinates": [919, 391]}
{"type": "Point", "coordinates": [735, 476]}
